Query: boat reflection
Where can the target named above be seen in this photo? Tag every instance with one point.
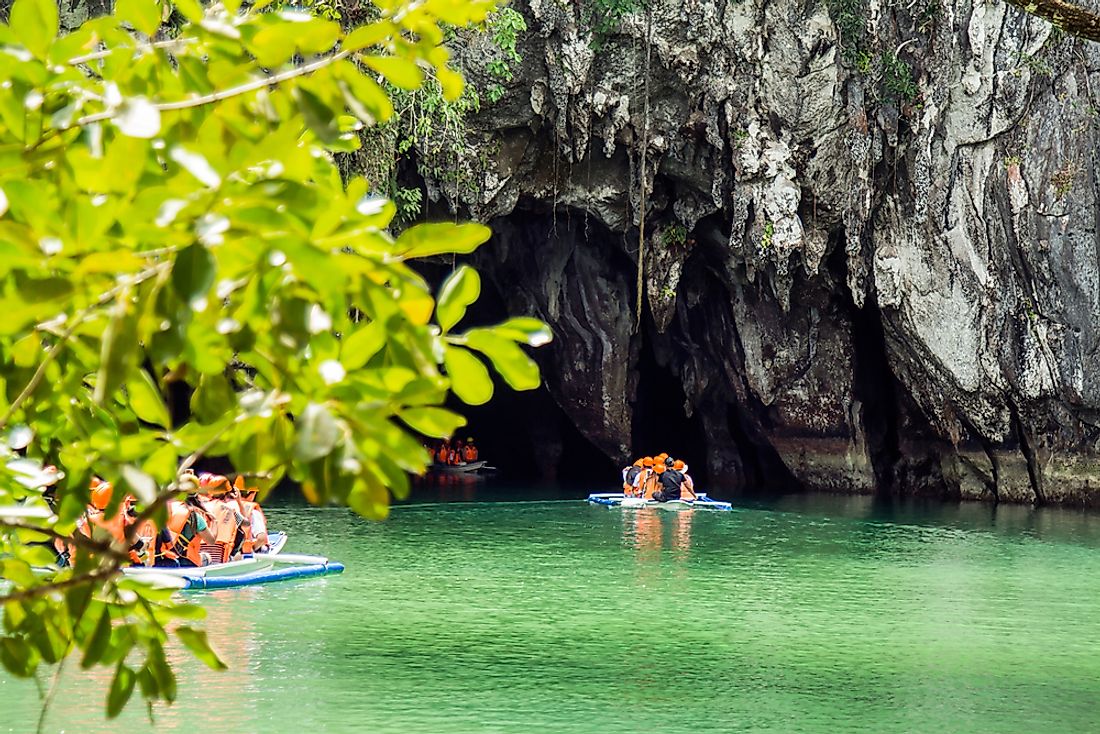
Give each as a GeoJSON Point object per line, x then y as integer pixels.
{"type": "Point", "coordinates": [645, 530]}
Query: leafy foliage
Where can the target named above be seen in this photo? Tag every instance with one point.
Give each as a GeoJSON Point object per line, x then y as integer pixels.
{"type": "Point", "coordinates": [171, 217]}
{"type": "Point", "coordinates": [605, 16]}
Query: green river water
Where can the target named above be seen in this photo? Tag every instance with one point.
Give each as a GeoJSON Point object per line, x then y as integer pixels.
{"type": "Point", "coordinates": [811, 614]}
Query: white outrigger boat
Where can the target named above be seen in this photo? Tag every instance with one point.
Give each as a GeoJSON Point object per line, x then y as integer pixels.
{"type": "Point", "coordinates": [468, 467]}
{"type": "Point", "coordinates": [618, 499]}
{"type": "Point", "coordinates": [259, 568]}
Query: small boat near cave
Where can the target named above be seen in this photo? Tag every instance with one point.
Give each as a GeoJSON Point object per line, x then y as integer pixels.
{"type": "Point", "coordinates": [620, 500]}
{"type": "Point", "coordinates": [258, 568]}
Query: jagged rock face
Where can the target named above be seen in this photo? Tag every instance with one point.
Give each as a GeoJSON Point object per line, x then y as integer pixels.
{"type": "Point", "coordinates": [884, 285]}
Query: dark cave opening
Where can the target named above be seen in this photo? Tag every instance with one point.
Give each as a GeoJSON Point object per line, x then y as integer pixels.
{"type": "Point", "coordinates": [525, 435]}
{"type": "Point", "coordinates": [874, 383]}
{"type": "Point", "coordinates": [660, 420]}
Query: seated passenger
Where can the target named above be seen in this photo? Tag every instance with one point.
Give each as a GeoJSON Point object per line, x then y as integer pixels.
{"type": "Point", "coordinates": [189, 525]}
{"type": "Point", "coordinates": [687, 486]}
{"type": "Point", "coordinates": [471, 451]}
{"type": "Point", "coordinates": [631, 473]}
{"type": "Point", "coordinates": [669, 480]}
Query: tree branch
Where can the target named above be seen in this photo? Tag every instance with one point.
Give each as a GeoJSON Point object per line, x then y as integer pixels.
{"type": "Point", "coordinates": [34, 592]}
{"type": "Point", "coordinates": [76, 539]}
{"type": "Point", "coordinates": [1073, 19]}
{"type": "Point", "coordinates": [97, 55]}
{"type": "Point", "coordinates": [218, 96]}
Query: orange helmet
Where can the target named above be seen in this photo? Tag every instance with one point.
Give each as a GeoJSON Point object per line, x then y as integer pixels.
{"type": "Point", "coordinates": [101, 493]}
{"type": "Point", "coordinates": [214, 485]}
{"type": "Point", "coordinates": [659, 468]}
{"type": "Point", "coordinates": [647, 461]}
{"type": "Point", "coordinates": [662, 455]}
{"type": "Point", "coordinates": [679, 465]}
{"type": "Point", "coordinates": [638, 463]}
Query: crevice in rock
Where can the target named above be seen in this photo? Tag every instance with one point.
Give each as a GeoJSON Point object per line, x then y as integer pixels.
{"type": "Point", "coordinates": [1034, 473]}
{"type": "Point", "coordinates": [874, 385]}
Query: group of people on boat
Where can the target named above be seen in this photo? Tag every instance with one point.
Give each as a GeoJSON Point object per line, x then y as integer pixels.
{"type": "Point", "coordinates": [456, 453]}
{"type": "Point", "coordinates": [659, 478]}
{"type": "Point", "coordinates": [219, 521]}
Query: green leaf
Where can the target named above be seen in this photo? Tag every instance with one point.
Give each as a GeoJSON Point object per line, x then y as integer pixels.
{"type": "Point", "coordinates": [35, 24]}
{"type": "Point", "coordinates": [470, 379]}
{"type": "Point", "coordinates": [367, 35]}
{"type": "Point", "coordinates": [143, 15]}
{"type": "Point", "coordinates": [193, 273]}
{"type": "Point", "coordinates": [461, 288]}
{"type": "Point", "coordinates": [362, 344]}
{"type": "Point", "coordinates": [275, 44]}
{"type": "Point", "coordinates": [17, 657]}
{"type": "Point", "coordinates": [525, 330]}
{"type": "Point", "coordinates": [190, 9]}
{"type": "Point", "coordinates": [97, 644]}
{"type": "Point", "coordinates": [440, 238]}
{"type": "Point", "coordinates": [195, 640]}
{"type": "Point", "coordinates": [451, 82]}
{"type": "Point", "coordinates": [317, 433]}
{"type": "Point", "coordinates": [146, 401]}
{"type": "Point", "coordinates": [369, 498]}
{"type": "Point", "coordinates": [432, 422]}
{"type": "Point", "coordinates": [517, 369]}
{"type": "Point", "coordinates": [119, 349]}
{"type": "Point", "coordinates": [213, 398]}
{"type": "Point", "coordinates": [320, 118]}
{"type": "Point", "coordinates": [122, 687]}
{"type": "Point", "coordinates": [400, 72]}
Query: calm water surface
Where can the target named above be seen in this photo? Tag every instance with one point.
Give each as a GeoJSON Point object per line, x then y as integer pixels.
{"type": "Point", "coordinates": [815, 615]}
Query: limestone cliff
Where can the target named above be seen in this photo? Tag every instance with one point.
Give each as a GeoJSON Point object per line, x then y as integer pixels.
{"type": "Point", "coordinates": [871, 249]}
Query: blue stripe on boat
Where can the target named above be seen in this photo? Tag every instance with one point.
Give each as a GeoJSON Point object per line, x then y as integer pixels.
{"type": "Point", "coordinates": [263, 577]}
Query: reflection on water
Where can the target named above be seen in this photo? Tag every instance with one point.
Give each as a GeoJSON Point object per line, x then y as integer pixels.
{"type": "Point", "coordinates": [807, 614]}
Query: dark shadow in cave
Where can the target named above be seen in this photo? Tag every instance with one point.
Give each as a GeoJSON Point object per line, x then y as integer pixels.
{"type": "Point", "coordinates": [526, 435]}
{"type": "Point", "coordinates": [660, 421]}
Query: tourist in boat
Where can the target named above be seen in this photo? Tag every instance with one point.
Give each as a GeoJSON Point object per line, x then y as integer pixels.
{"type": "Point", "coordinates": [669, 481]}
{"type": "Point", "coordinates": [646, 481]}
{"type": "Point", "coordinates": [189, 525]}
{"type": "Point", "coordinates": [470, 453]}
{"type": "Point", "coordinates": [95, 516]}
{"type": "Point", "coordinates": [443, 455]}
{"type": "Point", "coordinates": [228, 523]}
{"type": "Point", "coordinates": [255, 532]}
{"type": "Point", "coordinates": [631, 473]}
{"type": "Point", "coordinates": [687, 485]}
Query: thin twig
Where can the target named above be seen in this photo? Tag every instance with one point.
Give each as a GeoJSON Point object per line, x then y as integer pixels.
{"type": "Point", "coordinates": [97, 55]}
{"type": "Point", "coordinates": [218, 96]}
{"type": "Point", "coordinates": [36, 591]}
{"type": "Point", "coordinates": [76, 539]}
{"type": "Point", "coordinates": [50, 694]}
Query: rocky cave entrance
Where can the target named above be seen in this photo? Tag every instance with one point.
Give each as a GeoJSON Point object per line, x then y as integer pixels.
{"type": "Point", "coordinates": [526, 435]}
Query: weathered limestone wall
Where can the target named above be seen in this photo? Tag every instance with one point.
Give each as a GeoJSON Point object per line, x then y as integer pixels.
{"type": "Point", "coordinates": [889, 289]}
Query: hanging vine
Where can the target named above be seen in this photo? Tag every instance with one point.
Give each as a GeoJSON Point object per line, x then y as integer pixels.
{"type": "Point", "coordinates": [643, 174]}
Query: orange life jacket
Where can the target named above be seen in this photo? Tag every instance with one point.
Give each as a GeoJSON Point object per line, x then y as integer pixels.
{"type": "Point", "coordinates": [687, 490]}
{"type": "Point", "coordinates": [223, 512]}
{"type": "Point", "coordinates": [649, 484]}
{"type": "Point", "coordinates": [178, 516]}
{"type": "Point", "coordinates": [115, 526]}
{"type": "Point", "coordinates": [441, 455]}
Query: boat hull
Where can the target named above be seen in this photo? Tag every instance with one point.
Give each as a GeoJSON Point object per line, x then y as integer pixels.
{"type": "Point", "coordinates": [620, 500]}
{"type": "Point", "coordinates": [260, 568]}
